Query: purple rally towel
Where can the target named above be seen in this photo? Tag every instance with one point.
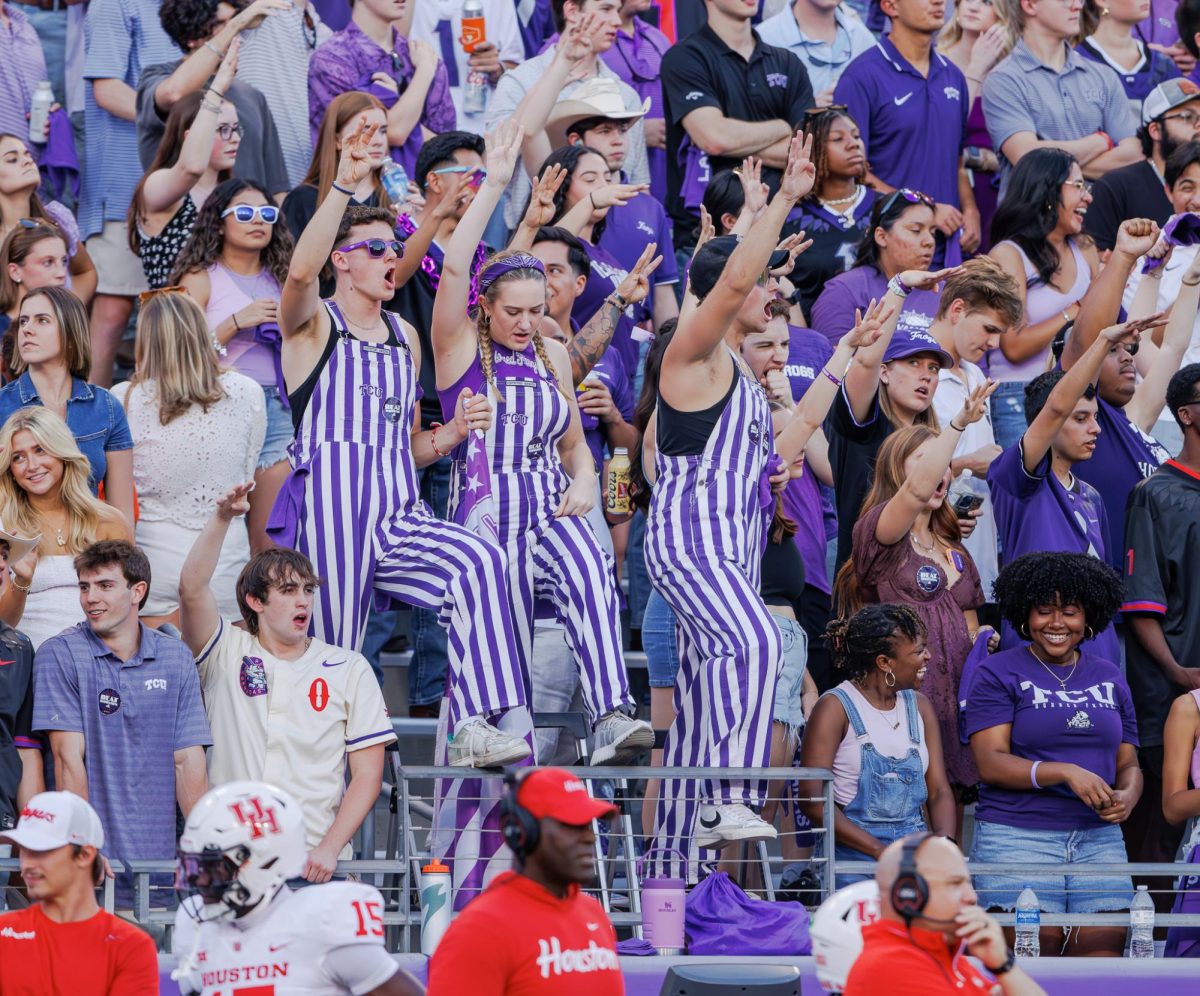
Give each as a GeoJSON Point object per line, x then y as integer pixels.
{"type": "Point", "coordinates": [58, 161]}
{"type": "Point", "coordinates": [1180, 230]}
{"type": "Point", "coordinates": [720, 919]}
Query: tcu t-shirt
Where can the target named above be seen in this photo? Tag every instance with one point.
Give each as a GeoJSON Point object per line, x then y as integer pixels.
{"type": "Point", "coordinates": [833, 312]}
{"type": "Point", "coordinates": [1084, 723]}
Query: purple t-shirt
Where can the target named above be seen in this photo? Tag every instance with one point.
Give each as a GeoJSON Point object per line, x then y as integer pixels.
{"type": "Point", "coordinates": [833, 312]}
{"type": "Point", "coordinates": [628, 229]}
{"type": "Point", "coordinates": [808, 352]}
{"type": "Point", "coordinates": [606, 277]}
{"type": "Point", "coordinates": [611, 372]}
{"type": "Point", "coordinates": [1036, 514]}
{"type": "Point", "coordinates": [1084, 724]}
{"type": "Point", "coordinates": [1160, 27]}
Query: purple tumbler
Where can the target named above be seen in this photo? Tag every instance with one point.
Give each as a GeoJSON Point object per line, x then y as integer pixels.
{"type": "Point", "coordinates": [663, 907]}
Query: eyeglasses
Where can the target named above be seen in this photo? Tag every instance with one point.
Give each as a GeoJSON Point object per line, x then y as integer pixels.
{"type": "Point", "coordinates": [1083, 186]}
{"type": "Point", "coordinates": [912, 196]}
{"type": "Point", "coordinates": [1190, 118]}
{"type": "Point", "coordinates": [246, 213]}
{"type": "Point", "coordinates": [145, 296]}
{"type": "Point", "coordinates": [227, 131]}
{"type": "Point", "coordinates": [375, 247]}
{"type": "Point", "coordinates": [475, 174]}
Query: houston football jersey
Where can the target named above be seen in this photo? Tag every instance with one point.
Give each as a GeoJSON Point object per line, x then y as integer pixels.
{"type": "Point", "coordinates": [284, 949]}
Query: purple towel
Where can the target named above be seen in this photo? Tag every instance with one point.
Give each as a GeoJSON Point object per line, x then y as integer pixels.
{"type": "Point", "coordinates": [1181, 230]}
{"type": "Point", "coordinates": [58, 162]}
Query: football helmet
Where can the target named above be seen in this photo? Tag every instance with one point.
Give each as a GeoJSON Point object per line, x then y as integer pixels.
{"type": "Point", "coordinates": [836, 931]}
{"type": "Point", "coordinates": [241, 843]}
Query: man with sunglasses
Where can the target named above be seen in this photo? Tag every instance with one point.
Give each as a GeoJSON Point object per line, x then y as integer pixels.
{"type": "Point", "coordinates": [911, 104]}
{"type": "Point", "coordinates": [353, 503]}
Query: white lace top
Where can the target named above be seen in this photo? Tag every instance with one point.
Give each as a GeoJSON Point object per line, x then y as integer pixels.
{"type": "Point", "coordinates": [181, 469]}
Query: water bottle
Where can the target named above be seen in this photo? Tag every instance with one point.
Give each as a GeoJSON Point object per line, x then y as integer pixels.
{"type": "Point", "coordinates": [1029, 922]}
{"type": "Point", "coordinates": [39, 112]}
{"type": "Point", "coordinates": [967, 493]}
{"type": "Point", "coordinates": [474, 32]}
{"type": "Point", "coordinates": [1141, 925]}
{"type": "Point", "coordinates": [435, 904]}
{"type": "Point", "coordinates": [395, 182]}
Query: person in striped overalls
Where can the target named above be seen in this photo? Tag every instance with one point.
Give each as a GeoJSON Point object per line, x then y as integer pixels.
{"type": "Point", "coordinates": [542, 472]}
{"type": "Point", "coordinates": [706, 529]}
{"type": "Point", "coordinates": [352, 503]}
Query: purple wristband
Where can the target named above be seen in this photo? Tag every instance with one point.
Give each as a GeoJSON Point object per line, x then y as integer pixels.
{"type": "Point", "coordinates": [831, 377]}
{"type": "Point", "coordinates": [1033, 774]}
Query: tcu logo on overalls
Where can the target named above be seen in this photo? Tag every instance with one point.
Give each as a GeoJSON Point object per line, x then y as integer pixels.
{"type": "Point", "coordinates": [258, 819]}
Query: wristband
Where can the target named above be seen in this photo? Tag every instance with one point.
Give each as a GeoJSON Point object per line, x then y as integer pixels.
{"type": "Point", "coordinates": [898, 287]}
{"type": "Point", "coordinates": [620, 302]}
{"type": "Point", "coordinates": [1104, 135]}
{"type": "Point", "coordinates": [956, 427]}
{"type": "Point", "coordinates": [341, 190]}
{"type": "Point", "coordinates": [1033, 775]}
{"type": "Point", "coordinates": [830, 377]}
{"type": "Point", "coordinates": [433, 440]}
{"type": "Point", "coordinates": [215, 51]}
{"type": "Point", "coordinates": [236, 324]}
{"type": "Point", "coordinates": [21, 588]}
{"type": "Point", "coordinates": [1007, 966]}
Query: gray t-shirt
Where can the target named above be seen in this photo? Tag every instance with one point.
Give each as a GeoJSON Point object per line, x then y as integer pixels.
{"type": "Point", "coordinates": [259, 156]}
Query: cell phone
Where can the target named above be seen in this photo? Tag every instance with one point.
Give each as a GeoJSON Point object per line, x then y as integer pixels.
{"type": "Point", "coordinates": [967, 504]}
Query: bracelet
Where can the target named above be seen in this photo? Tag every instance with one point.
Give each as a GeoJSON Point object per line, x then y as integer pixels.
{"type": "Point", "coordinates": [1107, 138]}
{"type": "Point", "coordinates": [1186, 283]}
{"type": "Point", "coordinates": [341, 190]}
{"type": "Point", "coordinates": [620, 302]}
{"type": "Point", "coordinates": [956, 427]}
{"type": "Point", "coordinates": [898, 287]}
{"type": "Point", "coordinates": [216, 344]}
{"type": "Point", "coordinates": [1033, 775]}
{"type": "Point", "coordinates": [16, 584]}
{"type": "Point", "coordinates": [1008, 965]}
{"type": "Point", "coordinates": [831, 378]}
{"type": "Point", "coordinates": [236, 324]}
{"type": "Point", "coordinates": [213, 48]}
{"type": "Point", "coordinates": [205, 105]}
{"type": "Point", "coordinates": [433, 440]}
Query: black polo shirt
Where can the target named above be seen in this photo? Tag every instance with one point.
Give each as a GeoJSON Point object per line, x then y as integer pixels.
{"type": "Point", "coordinates": [702, 71]}
{"type": "Point", "coordinates": [16, 716]}
{"type": "Point", "coordinates": [1134, 191]}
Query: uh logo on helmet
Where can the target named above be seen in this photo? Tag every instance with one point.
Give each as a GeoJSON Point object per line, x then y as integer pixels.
{"type": "Point", "coordinates": [242, 842]}
{"type": "Point", "coordinates": [836, 931]}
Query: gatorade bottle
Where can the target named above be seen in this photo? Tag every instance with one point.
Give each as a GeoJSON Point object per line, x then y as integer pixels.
{"type": "Point", "coordinates": [435, 904]}
{"type": "Point", "coordinates": [616, 491]}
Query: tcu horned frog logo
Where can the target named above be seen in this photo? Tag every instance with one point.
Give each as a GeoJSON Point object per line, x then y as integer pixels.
{"type": "Point", "coordinates": [260, 820]}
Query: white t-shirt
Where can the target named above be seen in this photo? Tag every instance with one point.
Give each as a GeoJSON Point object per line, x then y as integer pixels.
{"type": "Point", "coordinates": [325, 940]}
{"type": "Point", "coordinates": [290, 723]}
{"type": "Point", "coordinates": [948, 400]}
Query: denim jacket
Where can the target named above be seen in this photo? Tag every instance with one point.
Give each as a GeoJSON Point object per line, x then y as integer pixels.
{"type": "Point", "coordinates": [95, 418]}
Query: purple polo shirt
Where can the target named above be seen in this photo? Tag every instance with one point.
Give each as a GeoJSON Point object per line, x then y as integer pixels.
{"type": "Point", "coordinates": [22, 67]}
{"type": "Point", "coordinates": [1083, 724]}
{"type": "Point", "coordinates": [637, 59]}
{"type": "Point", "coordinates": [1160, 28]}
{"type": "Point", "coordinates": [913, 127]}
{"type": "Point", "coordinates": [349, 59]}
{"type": "Point", "coordinates": [606, 277]}
{"type": "Point", "coordinates": [808, 352]}
{"type": "Point", "coordinates": [1036, 514]}
{"type": "Point", "coordinates": [833, 311]}
{"type": "Point", "coordinates": [611, 371]}
{"type": "Point", "coordinates": [1124, 455]}
{"type": "Point", "coordinates": [628, 229]}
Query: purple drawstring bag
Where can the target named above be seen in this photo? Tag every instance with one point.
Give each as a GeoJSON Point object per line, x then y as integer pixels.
{"type": "Point", "coordinates": [1184, 942]}
{"type": "Point", "coordinates": [720, 919]}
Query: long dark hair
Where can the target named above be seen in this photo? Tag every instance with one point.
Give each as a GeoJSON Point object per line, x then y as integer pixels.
{"type": "Point", "coordinates": [36, 210]}
{"type": "Point", "coordinates": [1029, 211]}
{"type": "Point", "coordinates": [724, 195]}
{"type": "Point", "coordinates": [819, 124]}
{"type": "Point", "coordinates": [207, 241]}
{"type": "Point", "coordinates": [639, 486]}
{"type": "Point", "coordinates": [888, 210]}
{"type": "Point", "coordinates": [568, 157]}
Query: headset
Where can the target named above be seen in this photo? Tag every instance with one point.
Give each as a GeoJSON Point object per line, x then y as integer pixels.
{"type": "Point", "coordinates": [910, 891]}
{"type": "Point", "coordinates": [519, 827]}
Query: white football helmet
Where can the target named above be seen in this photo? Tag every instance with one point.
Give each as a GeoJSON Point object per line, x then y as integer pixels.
{"type": "Point", "coordinates": [836, 931]}
{"type": "Point", "coordinates": [241, 843]}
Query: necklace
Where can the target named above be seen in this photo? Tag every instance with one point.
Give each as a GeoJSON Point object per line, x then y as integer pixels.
{"type": "Point", "coordinates": [882, 715]}
{"type": "Point", "coordinates": [841, 200]}
{"type": "Point", "coordinates": [363, 328]}
{"type": "Point", "coordinates": [933, 550]}
{"type": "Point", "coordinates": [1061, 681]}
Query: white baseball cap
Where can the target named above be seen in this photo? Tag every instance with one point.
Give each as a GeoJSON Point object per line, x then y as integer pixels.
{"type": "Point", "coordinates": [51, 820]}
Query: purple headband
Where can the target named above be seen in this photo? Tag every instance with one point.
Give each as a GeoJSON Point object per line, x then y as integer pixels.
{"type": "Point", "coordinates": [519, 261]}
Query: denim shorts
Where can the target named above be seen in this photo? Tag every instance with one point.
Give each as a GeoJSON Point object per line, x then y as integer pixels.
{"type": "Point", "coordinates": [997, 843]}
{"type": "Point", "coordinates": [789, 706]}
{"type": "Point", "coordinates": [1008, 412]}
{"type": "Point", "coordinates": [279, 430]}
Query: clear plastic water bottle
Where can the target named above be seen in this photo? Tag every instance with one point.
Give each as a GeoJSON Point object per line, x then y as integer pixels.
{"type": "Point", "coordinates": [39, 112]}
{"type": "Point", "coordinates": [1029, 922]}
{"type": "Point", "coordinates": [967, 492]}
{"type": "Point", "coordinates": [395, 182]}
{"type": "Point", "coordinates": [1141, 925]}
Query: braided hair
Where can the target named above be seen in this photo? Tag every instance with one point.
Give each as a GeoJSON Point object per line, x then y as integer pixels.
{"type": "Point", "coordinates": [872, 632]}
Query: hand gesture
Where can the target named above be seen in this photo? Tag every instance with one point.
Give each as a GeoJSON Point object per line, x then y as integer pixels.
{"type": "Point", "coordinates": [354, 162]}
{"type": "Point", "coordinates": [235, 502]}
{"type": "Point", "coordinates": [923, 280]}
{"type": "Point", "coordinates": [263, 309]}
{"type": "Point", "coordinates": [575, 43]}
{"type": "Point", "coordinates": [473, 412]}
{"type": "Point", "coordinates": [503, 148]}
{"type": "Point", "coordinates": [385, 81]}
{"type": "Point", "coordinates": [707, 229]}
{"type": "Point", "coordinates": [778, 387]}
{"type": "Point", "coordinates": [868, 327]}
{"type": "Point", "coordinates": [616, 194]}
{"type": "Point", "coordinates": [1136, 237]}
{"type": "Point", "coordinates": [794, 245]}
{"type": "Point", "coordinates": [1160, 251]}
{"type": "Point", "coordinates": [446, 203]}
{"type": "Point", "coordinates": [227, 70]}
{"type": "Point", "coordinates": [988, 49]}
{"type": "Point", "coordinates": [1132, 331]}
{"type": "Point", "coordinates": [976, 403]}
{"type": "Point", "coordinates": [800, 173]}
{"type": "Point", "coordinates": [24, 569]}
{"type": "Point", "coordinates": [596, 400]}
{"type": "Point", "coordinates": [636, 286]}
{"type": "Point", "coordinates": [254, 14]}
{"type": "Point", "coordinates": [1119, 809]}
{"type": "Point", "coordinates": [424, 58]}
{"type": "Point", "coordinates": [541, 199]}
{"type": "Point", "coordinates": [981, 934]}
{"type": "Point", "coordinates": [579, 498]}
{"type": "Point", "coordinates": [1089, 787]}
{"type": "Point", "coordinates": [754, 191]}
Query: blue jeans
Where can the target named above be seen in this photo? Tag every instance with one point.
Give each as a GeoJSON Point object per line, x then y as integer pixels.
{"type": "Point", "coordinates": [1008, 413]}
{"type": "Point", "coordinates": [660, 642]}
{"type": "Point", "coordinates": [430, 659]}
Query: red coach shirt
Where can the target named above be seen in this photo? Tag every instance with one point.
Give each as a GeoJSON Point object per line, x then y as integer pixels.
{"type": "Point", "coordinates": [100, 956]}
{"type": "Point", "coordinates": [914, 962]}
{"type": "Point", "coordinates": [516, 939]}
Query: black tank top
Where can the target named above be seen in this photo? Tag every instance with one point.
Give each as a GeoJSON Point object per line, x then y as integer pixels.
{"type": "Point", "coordinates": [686, 433]}
{"type": "Point", "coordinates": [782, 574]}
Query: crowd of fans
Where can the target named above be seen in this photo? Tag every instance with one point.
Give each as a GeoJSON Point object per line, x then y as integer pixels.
{"type": "Point", "coordinates": [895, 308]}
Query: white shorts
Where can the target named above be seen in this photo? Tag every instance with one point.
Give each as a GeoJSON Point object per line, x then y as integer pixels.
{"type": "Point", "coordinates": [119, 272]}
{"type": "Point", "coordinates": [167, 545]}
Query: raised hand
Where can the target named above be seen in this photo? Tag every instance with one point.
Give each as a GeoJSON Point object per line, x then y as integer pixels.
{"type": "Point", "coordinates": [254, 14]}
{"type": "Point", "coordinates": [923, 280]}
{"type": "Point", "coordinates": [800, 173]}
{"type": "Point", "coordinates": [793, 245]}
{"type": "Point", "coordinates": [707, 229]}
{"type": "Point", "coordinates": [355, 161]}
{"type": "Point", "coordinates": [616, 194]}
{"type": "Point", "coordinates": [1132, 331]}
{"type": "Point", "coordinates": [227, 70]}
{"type": "Point", "coordinates": [423, 56]}
{"type": "Point", "coordinates": [636, 285]}
{"type": "Point", "coordinates": [575, 44]}
{"type": "Point", "coordinates": [503, 148]}
{"type": "Point", "coordinates": [975, 403]}
{"type": "Point", "coordinates": [754, 191]}
{"type": "Point", "coordinates": [541, 199]}
{"type": "Point", "coordinates": [868, 327]}
{"type": "Point", "coordinates": [447, 202]}
{"type": "Point", "coordinates": [1136, 237]}
{"type": "Point", "coordinates": [235, 502]}
{"type": "Point", "coordinates": [987, 51]}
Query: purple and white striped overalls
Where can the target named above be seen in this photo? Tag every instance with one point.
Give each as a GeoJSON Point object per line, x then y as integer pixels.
{"type": "Point", "coordinates": [352, 505]}
{"type": "Point", "coordinates": [552, 562]}
{"type": "Point", "coordinates": [704, 543]}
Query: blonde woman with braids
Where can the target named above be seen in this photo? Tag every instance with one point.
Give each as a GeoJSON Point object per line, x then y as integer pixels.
{"type": "Point", "coordinates": [44, 491]}
{"type": "Point", "coordinates": [197, 431]}
{"type": "Point", "coordinates": [542, 473]}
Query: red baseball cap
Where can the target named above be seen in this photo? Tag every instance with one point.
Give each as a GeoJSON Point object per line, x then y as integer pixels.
{"type": "Point", "coordinates": [558, 794]}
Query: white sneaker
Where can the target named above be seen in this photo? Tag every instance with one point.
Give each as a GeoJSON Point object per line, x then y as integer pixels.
{"type": "Point", "coordinates": [478, 744]}
{"type": "Point", "coordinates": [620, 738]}
{"type": "Point", "coordinates": [719, 826]}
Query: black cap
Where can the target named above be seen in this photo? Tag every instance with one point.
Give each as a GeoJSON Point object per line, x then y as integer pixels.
{"type": "Point", "coordinates": [709, 263]}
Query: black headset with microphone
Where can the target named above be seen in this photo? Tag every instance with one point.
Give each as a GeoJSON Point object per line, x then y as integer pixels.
{"type": "Point", "coordinates": [518, 826]}
{"type": "Point", "coordinates": [910, 892]}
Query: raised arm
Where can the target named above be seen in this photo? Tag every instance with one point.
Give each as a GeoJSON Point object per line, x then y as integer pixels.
{"type": "Point", "coordinates": [301, 295]}
{"type": "Point", "coordinates": [199, 616]}
{"type": "Point", "coordinates": [589, 343]}
{"type": "Point", "coordinates": [932, 462]}
{"type": "Point", "coordinates": [701, 331]}
{"type": "Point", "coordinates": [541, 207]}
{"type": "Point", "coordinates": [166, 186]}
{"type": "Point", "coordinates": [1143, 410]}
{"type": "Point", "coordinates": [438, 207]}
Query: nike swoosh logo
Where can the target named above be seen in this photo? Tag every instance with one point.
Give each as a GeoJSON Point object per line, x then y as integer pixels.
{"type": "Point", "coordinates": [334, 664]}
{"type": "Point", "coordinates": [709, 824]}
{"type": "Point", "coordinates": [901, 101]}
{"type": "Point", "coordinates": [275, 947]}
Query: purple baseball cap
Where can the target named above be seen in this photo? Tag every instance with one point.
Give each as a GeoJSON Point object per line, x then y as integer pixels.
{"type": "Point", "coordinates": [909, 342]}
